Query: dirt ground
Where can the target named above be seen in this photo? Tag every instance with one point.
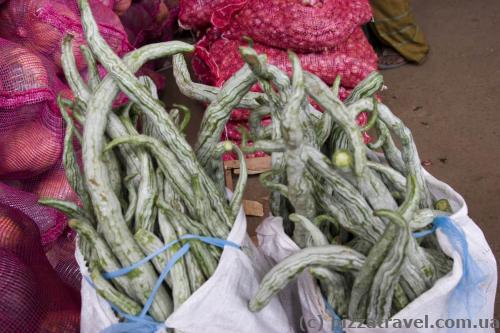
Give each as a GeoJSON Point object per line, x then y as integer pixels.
{"type": "Point", "coordinates": [450, 103]}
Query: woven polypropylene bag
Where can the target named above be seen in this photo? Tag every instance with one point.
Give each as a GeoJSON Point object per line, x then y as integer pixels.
{"type": "Point", "coordinates": [220, 305]}
{"type": "Point", "coordinates": [31, 127]}
{"type": "Point", "coordinates": [299, 25]}
{"type": "Point", "coordinates": [465, 293]}
{"type": "Point", "coordinates": [217, 60]}
{"type": "Point", "coordinates": [40, 25]}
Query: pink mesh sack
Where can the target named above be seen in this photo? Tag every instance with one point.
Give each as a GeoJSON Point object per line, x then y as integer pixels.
{"type": "Point", "coordinates": [217, 60]}
{"type": "Point", "coordinates": [31, 128]}
{"type": "Point", "coordinates": [148, 21]}
{"type": "Point", "coordinates": [51, 184]}
{"type": "Point", "coordinates": [55, 238]}
{"type": "Point", "coordinates": [40, 25]}
{"type": "Point", "coordinates": [50, 223]}
{"type": "Point", "coordinates": [305, 26]}
{"type": "Point", "coordinates": [33, 297]}
{"type": "Point", "coordinates": [61, 256]}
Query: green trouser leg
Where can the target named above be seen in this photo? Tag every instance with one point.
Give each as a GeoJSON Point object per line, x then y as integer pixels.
{"type": "Point", "coordinates": [395, 26]}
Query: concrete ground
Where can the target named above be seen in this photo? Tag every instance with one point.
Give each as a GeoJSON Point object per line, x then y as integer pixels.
{"type": "Point", "coordinates": [450, 103]}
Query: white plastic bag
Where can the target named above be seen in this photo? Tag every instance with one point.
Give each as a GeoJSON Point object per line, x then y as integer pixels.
{"type": "Point", "coordinates": [220, 305]}
{"type": "Point", "coordinates": [302, 299]}
{"type": "Point", "coordinates": [432, 307]}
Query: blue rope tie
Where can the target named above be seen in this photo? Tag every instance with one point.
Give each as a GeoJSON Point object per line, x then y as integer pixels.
{"type": "Point", "coordinates": [144, 323]}
{"type": "Point", "coordinates": [337, 321]}
{"type": "Point", "coordinates": [422, 234]}
{"type": "Point", "coordinates": [468, 298]}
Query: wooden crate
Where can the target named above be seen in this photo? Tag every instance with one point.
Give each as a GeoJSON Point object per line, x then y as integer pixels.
{"type": "Point", "coordinates": [255, 166]}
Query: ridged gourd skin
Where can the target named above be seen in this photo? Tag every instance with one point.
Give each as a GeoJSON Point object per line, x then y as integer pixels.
{"type": "Point", "coordinates": [110, 216]}
{"type": "Point", "coordinates": [339, 258]}
{"type": "Point", "coordinates": [363, 195]}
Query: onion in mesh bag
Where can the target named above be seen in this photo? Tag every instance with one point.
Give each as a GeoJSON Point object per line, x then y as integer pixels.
{"type": "Point", "coordinates": [40, 25]}
{"type": "Point", "coordinates": [59, 321]}
{"type": "Point", "coordinates": [53, 184]}
{"type": "Point", "coordinates": [31, 148]}
{"type": "Point", "coordinates": [24, 78]}
{"type": "Point", "coordinates": [11, 234]}
{"type": "Point", "coordinates": [31, 127]}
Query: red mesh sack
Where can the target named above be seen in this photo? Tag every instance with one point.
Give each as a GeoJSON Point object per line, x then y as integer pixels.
{"type": "Point", "coordinates": [33, 298]}
{"type": "Point", "coordinates": [232, 132]}
{"type": "Point", "coordinates": [40, 25]}
{"type": "Point", "coordinates": [31, 128]}
{"type": "Point", "coordinates": [196, 14]}
{"type": "Point", "coordinates": [217, 60]}
{"type": "Point", "coordinates": [148, 21]}
{"type": "Point", "coordinates": [305, 26]}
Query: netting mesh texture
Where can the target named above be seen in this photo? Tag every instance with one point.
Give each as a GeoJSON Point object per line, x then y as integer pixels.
{"type": "Point", "coordinates": [31, 128]}
{"type": "Point", "coordinates": [39, 278]}
{"type": "Point", "coordinates": [218, 58]}
{"type": "Point", "coordinates": [40, 25]}
{"type": "Point", "coordinates": [304, 26]}
{"type": "Point", "coordinates": [33, 297]}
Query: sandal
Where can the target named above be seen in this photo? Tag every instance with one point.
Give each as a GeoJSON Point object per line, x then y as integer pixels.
{"type": "Point", "coordinates": [390, 59]}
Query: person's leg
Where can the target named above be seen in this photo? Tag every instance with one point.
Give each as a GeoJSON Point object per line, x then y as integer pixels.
{"type": "Point", "coordinates": [394, 25]}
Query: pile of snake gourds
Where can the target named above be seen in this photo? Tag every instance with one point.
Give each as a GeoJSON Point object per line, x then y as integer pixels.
{"type": "Point", "coordinates": [143, 186]}
{"type": "Point", "coordinates": [351, 207]}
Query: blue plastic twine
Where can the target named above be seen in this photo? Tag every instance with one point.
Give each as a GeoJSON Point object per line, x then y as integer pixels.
{"type": "Point", "coordinates": [337, 321]}
{"type": "Point", "coordinates": [468, 298]}
{"type": "Point", "coordinates": [144, 323]}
